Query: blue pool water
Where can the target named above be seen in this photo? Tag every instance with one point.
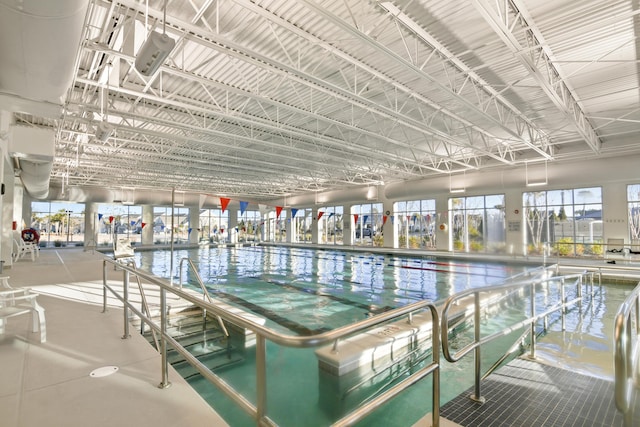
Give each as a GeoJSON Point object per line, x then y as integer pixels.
{"type": "Point", "coordinates": [306, 291]}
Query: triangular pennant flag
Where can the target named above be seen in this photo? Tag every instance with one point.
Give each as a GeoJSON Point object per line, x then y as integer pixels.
{"type": "Point", "coordinates": [294, 211]}
{"type": "Point", "coordinates": [143, 224]}
{"type": "Point", "coordinates": [263, 208]}
{"type": "Point", "coordinates": [221, 230]}
{"type": "Point", "coordinates": [133, 223]}
{"type": "Point", "coordinates": [331, 214]}
{"type": "Point", "coordinates": [355, 218]}
{"type": "Point", "coordinates": [224, 202]}
{"type": "Point", "coordinates": [384, 219]}
{"type": "Point", "coordinates": [278, 211]}
{"type": "Point", "coordinates": [189, 232]}
{"type": "Point", "coordinates": [320, 215]}
{"type": "Point", "coordinates": [99, 216]}
{"type": "Point", "coordinates": [111, 219]}
{"type": "Point", "coordinates": [243, 207]}
{"type": "Point", "coordinates": [365, 218]}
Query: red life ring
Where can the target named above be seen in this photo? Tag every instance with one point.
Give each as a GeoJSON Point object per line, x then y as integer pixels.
{"type": "Point", "coordinates": [30, 235]}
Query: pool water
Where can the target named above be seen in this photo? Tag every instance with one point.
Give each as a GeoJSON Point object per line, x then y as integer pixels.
{"type": "Point", "coordinates": [305, 291]}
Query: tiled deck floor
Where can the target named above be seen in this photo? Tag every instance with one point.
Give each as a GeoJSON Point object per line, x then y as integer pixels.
{"type": "Point", "coordinates": [529, 394]}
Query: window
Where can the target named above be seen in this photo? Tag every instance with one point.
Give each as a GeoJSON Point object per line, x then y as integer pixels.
{"type": "Point", "coordinates": [249, 226]}
{"type": "Point", "coordinates": [569, 221]}
{"type": "Point", "coordinates": [477, 223]}
{"type": "Point", "coordinates": [416, 221]}
{"type": "Point", "coordinates": [214, 225]}
{"type": "Point", "coordinates": [368, 224]}
{"type": "Point", "coordinates": [633, 211]}
{"type": "Point", "coordinates": [302, 225]}
{"type": "Point", "coordinates": [59, 224]}
{"type": "Point", "coordinates": [330, 224]}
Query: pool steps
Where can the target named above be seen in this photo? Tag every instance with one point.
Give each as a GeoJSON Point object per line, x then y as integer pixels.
{"type": "Point", "coordinates": [381, 346]}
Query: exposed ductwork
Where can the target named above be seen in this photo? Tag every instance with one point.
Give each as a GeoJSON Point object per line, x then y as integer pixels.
{"type": "Point", "coordinates": [33, 151]}
{"type": "Point", "coordinates": [38, 46]}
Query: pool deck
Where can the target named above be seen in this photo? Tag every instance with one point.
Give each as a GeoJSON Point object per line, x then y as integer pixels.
{"type": "Point", "coordinates": [49, 384]}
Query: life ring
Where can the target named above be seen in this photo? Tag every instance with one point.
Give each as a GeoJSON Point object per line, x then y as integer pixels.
{"type": "Point", "coordinates": [443, 227]}
{"type": "Point", "coordinates": [30, 235]}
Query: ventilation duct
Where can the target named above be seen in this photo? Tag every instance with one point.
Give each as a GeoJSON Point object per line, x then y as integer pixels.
{"type": "Point", "coordinates": [38, 45]}
{"type": "Point", "coordinates": [33, 149]}
{"type": "Point", "coordinates": [35, 177]}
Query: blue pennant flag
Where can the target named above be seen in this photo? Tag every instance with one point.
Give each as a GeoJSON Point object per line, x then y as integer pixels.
{"type": "Point", "coordinates": [243, 207]}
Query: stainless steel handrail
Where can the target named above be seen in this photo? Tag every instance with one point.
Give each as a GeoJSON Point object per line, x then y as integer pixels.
{"type": "Point", "coordinates": [478, 340]}
{"type": "Point", "coordinates": [627, 354]}
{"type": "Point", "coordinates": [205, 291]}
{"type": "Point", "coordinates": [263, 333]}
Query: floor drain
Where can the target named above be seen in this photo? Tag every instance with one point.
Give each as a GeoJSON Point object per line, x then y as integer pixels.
{"type": "Point", "coordinates": [104, 371]}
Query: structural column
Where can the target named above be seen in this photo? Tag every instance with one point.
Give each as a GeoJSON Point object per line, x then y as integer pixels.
{"type": "Point", "coordinates": [315, 227]}
{"type": "Point", "coordinates": [233, 225]}
{"type": "Point", "coordinates": [147, 231]}
{"type": "Point", "coordinates": [90, 225]}
{"type": "Point", "coordinates": [194, 225]}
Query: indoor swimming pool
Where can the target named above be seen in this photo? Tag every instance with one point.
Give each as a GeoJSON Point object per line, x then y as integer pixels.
{"type": "Point", "coordinates": [307, 291]}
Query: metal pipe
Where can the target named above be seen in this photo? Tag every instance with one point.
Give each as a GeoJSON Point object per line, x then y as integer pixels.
{"type": "Point", "coordinates": [125, 311]}
{"type": "Point", "coordinates": [476, 354]}
{"type": "Point", "coordinates": [263, 333]}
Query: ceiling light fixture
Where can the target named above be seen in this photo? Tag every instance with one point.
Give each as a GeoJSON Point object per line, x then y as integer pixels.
{"type": "Point", "coordinates": [155, 49]}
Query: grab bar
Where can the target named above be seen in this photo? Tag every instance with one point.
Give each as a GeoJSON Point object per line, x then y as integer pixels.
{"type": "Point", "coordinates": [205, 291]}
{"type": "Point", "coordinates": [478, 340]}
{"type": "Point", "coordinates": [627, 354]}
{"type": "Point", "coordinates": [264, 333]}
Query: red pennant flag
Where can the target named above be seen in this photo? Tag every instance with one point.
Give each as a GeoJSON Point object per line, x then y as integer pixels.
{"type": "Point", "coordinates": [224, 202]}
{"type": "Point", "coordinates": [221, 230]}
{"type": "Point", "coordinates": [278, 211]}
{"type": "Point", "coordinates": [320, 215]}
{"type": "Point", "coordinates": [355, 219]}
{"type": "Point", "coordinates": [384, 219]}
{"type": "Point", "coordinates": [110, 219]}
{"type": "Point", "coordinates": [143, 224]}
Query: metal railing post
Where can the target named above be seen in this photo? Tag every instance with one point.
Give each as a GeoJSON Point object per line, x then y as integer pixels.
{"type": "Point", "coordinates": [125, 311]}
{"type": "Point", "coordinates": [258, 411]}
{"type": "Point", "coordinates": [261, 378]}
{"type": "Point", "coordinates": [163, 341]}
{"type": "Point", "coordinates": [563, 310]}
{"type": "Point", "coordinates": [533, 324]}
{"type": "Point", "coordinates": [476, 352]}
{"type": "Point", "coordinates": [104, 287]}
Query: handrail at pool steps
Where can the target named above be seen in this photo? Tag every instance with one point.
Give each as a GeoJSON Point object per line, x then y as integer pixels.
{"type": "Point", "coordinates": [205, 291]}
{"type": "Point", "coordinates": [263, 333]}
{"type": "Point", "coordinates": [627, 355]}
{"type": "Point", "coordinates": [494, 295]}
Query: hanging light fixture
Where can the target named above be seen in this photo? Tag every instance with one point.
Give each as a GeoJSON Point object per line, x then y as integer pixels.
{"type": "Point", "coordinates": [155, 49]}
